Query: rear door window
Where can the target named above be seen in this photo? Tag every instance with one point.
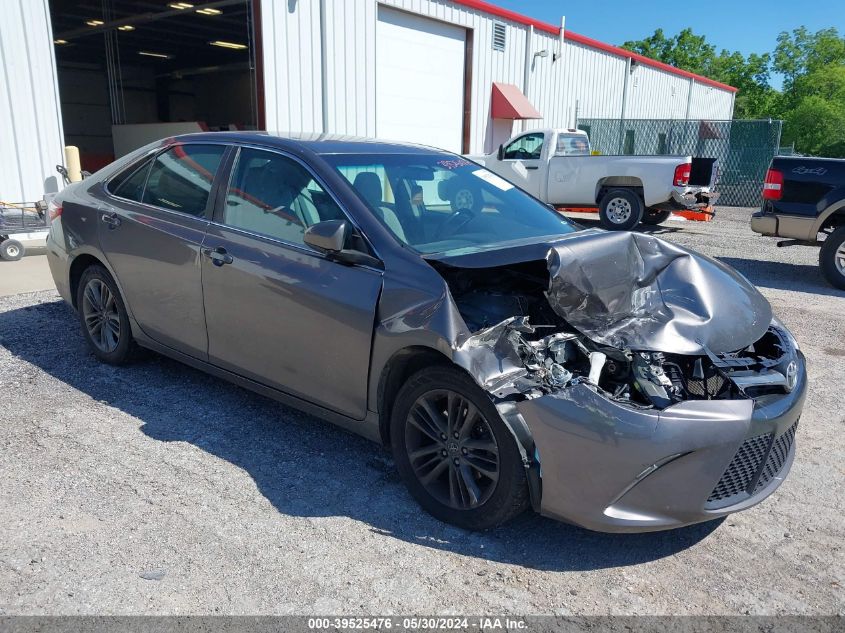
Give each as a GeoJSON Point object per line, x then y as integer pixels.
{"type": "Point", "coordinates": [181, 178]}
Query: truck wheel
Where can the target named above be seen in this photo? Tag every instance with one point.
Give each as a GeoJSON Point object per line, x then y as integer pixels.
{"type": "Point", "coordinates": [620, 210]}
{"type": "Point", "coordinates": [832, 258]}
{"type": "Point", "coordinates": [11, 250]}
{"type": "Point", "coordinates": [654, 217]}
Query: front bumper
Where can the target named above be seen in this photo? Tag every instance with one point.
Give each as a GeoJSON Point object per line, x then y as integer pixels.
{"type": "Point", "coordinates": [611, 468]}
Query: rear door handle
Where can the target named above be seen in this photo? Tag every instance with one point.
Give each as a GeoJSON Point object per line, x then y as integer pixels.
{"type": "Point", "coordinates": [531, 167]}
{"type": "Point", "coordinates": [111, 219]}
{"type": "Point", "coordinates": [218, 256]}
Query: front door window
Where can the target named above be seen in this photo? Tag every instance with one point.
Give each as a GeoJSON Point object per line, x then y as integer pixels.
{"type": "Point", "coordinates": [526, 147]}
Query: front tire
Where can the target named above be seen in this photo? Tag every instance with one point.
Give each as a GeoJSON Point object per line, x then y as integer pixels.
{"type": "Point", "coordinates": [832, 258]}
{"type": "Point", "coordinates": [653, 217]}
{"type": "Point", "coordinates": [620, 210]}
{"type": "Point", "coordinates": [102, 313]}
{"type": "Point", "coordinates": [454, 453]}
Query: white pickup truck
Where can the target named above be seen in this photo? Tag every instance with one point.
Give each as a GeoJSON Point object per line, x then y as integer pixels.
{"type": "Point", "coordinates": [558, 167]}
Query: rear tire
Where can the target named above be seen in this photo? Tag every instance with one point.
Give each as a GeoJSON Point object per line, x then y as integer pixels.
{"type": "Point", "coordinates": [11, 250]}
{"type": "Point", "coordinates": [832, 258]}
{"type": "Point", "coordinates": [102, 313]}
{"type": "Point", "coordinates": [653, 217]}
{"type": "Point", "coordinates": [620, 210]}
{"type": "Point", "coordinates": [440, 457]}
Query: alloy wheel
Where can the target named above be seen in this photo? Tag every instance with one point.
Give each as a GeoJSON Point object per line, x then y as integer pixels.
{"type": "Point", "coordinates": [99, 310]}
{"type": "Point", "coordinates": [12, 251]}
{"type": "Point", "coordinates": [452, 449]}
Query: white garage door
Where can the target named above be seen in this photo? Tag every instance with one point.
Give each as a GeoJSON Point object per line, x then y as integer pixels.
{"type": "Point", "coordinates": [419, 80]}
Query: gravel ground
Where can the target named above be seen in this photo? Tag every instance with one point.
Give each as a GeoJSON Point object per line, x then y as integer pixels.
{"type": "Point", "coordinates": [157, 489]}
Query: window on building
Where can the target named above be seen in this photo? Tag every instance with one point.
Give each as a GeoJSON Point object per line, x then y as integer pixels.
{"type": "Point", "coordinates": [270, 194]}
{"type": "Point", "coordinates": [180, 178]}
{"type": "Point", "coordinates": [526, 147]}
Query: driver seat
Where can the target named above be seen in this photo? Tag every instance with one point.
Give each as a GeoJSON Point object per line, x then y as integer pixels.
{"type": "Point", "coordinates": [368, 185]}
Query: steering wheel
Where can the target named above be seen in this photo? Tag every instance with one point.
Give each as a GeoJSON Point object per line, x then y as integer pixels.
{"type": "Point", "coordinates": [454, 223]}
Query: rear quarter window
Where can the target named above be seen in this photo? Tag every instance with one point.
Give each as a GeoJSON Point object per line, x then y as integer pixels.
{"type": "Point", "coordinates": [180, 179]}
{"type": "Point", "coordinates": [129, 184]}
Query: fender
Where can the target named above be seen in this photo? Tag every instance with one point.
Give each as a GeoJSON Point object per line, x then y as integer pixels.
{"type": "Point", "coordinates": [837, 206]}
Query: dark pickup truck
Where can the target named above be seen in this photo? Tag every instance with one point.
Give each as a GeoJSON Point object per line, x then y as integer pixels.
{"type": "Point", "coordinates": [804, 200]}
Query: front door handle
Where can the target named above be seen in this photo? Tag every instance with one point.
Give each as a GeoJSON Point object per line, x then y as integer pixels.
{"type": "Point", "coordinates": [218, 256]}
{"type": "Point", "coordinates": [111, 219]}
{"type": "Point", "coordinates": [531, 167]}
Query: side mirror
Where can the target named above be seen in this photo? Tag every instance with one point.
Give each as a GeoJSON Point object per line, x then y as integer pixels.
{"type": "Point", "coordinates": [328, 236]}
{"type": "Point", "coordinates": [500, 155]}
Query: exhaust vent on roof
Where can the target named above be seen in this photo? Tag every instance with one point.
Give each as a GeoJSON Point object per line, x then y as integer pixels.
{"type": "Point", "coordinates": [499, 36]}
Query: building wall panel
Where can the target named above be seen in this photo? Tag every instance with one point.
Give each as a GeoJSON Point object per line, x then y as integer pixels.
{"type": "Point", "coordinates": [584, 81]}
{"type": "Point", "coordinates": [593, 82]}
{"type": "Point", "coordinates": [656, 94]}
{"type": "Point", "coordinates": [30, 115]}
{"type": "Point", "coordinates": [290, 34]}
{"type": "Point", "coordinates": [711, 103]}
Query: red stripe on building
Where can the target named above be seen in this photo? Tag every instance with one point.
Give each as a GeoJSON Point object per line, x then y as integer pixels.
{"type": "Point", "coordinates": [513, 16]}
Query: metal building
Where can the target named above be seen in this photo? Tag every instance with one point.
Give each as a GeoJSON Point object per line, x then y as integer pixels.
{"type": "Point", "coordinates": [459, 74]}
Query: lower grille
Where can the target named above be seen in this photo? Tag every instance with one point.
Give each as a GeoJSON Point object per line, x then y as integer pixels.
{"type": "Point", "coordinates": [755, 464]}
{"type": "Point", "coordinates": [743, 468]}
{"type": "Point", "coordinates": [777, 457]}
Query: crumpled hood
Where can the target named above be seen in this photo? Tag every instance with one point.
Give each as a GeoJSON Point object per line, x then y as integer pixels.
{"type": "Point", "coordinates": [635, 291]}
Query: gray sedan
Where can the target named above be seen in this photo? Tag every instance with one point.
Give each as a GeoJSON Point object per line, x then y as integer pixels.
{"type": "Point", "coordinates": [508, 358]}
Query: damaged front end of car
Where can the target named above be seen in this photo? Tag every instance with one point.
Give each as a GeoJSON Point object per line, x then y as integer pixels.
{"type": "Point", "coordinates": [649, 387]}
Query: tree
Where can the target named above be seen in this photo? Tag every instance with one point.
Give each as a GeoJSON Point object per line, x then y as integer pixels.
{"type": "Point", "coordinates": [755, 97]}
{"type": "Point", "coordinates": [685, 50]}
{"type": "Point", "coordinates": [817, 127]}
{"type": "Point", "coordinates": [802, 52]}
{"type": "Point", "coordinates": [813, 99]}
{"type": "Point", "coordinates": [812, 102]}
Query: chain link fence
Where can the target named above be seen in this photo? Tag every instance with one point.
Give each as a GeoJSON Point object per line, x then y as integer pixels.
{"type": "Point", "coordinates": [742, 149]}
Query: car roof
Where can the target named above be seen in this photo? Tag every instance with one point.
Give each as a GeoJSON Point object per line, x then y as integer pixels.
{"type": "Point", "coordinates": [316, 143]}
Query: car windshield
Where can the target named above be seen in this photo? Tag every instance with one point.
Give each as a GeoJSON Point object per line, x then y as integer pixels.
{"type": "Point", "coordinates": [442, 203]}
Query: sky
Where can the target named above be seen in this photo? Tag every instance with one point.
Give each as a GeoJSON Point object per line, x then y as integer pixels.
{"type": "Point", "coordinates": [749, 26]}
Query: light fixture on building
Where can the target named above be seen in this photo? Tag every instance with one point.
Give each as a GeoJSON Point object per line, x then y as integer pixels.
{"type": "Point", "coordinates": [542, 53]}
{"type": "Point", "coordinates": [180, 5]}
{"type": "Point", "coordinates": [232, 45]}
{"type": "Point", "coordinates": [94, 22]}
{"type": "Point", "coordinates": [60, 42]}
{"type": "Point", "coordinates": [157, 55]}
{"type": "Point", "coordinates": [126, 27]}
{"type": "Point", "coordinates": [209, 11]}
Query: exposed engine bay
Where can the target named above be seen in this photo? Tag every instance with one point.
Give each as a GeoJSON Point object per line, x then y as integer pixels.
{"type": "Point", "coordinates": [541, 326]}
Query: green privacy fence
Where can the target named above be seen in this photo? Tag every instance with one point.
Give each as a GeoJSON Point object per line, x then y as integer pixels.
{"type": "Point", "coordinates": [742, 149]}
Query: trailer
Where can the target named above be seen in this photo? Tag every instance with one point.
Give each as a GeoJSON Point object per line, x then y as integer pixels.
{"type": "Point", "coordinates": [19, 218]}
